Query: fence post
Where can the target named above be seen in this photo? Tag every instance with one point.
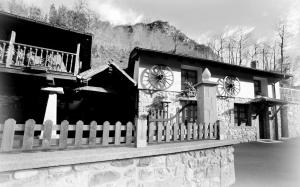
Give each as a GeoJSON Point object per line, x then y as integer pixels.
{"type": "Point", "coordinates": [10, 50]}
{"type": "Point", "coordinates": [76, 67]}
{"type": "Point", "coordinates": [8, 135]}
{"type": "Point", "coordinates": [141, 133]}
{"type": "Point", "coordinates": [221, 130]}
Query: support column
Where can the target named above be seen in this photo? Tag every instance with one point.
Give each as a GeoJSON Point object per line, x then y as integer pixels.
{"type": "Point", "coordinates": [206, 99]}
{"type": "Point", "coordinates": [51, 109]}
{"type": "Point", "coordinates": [266, 123]}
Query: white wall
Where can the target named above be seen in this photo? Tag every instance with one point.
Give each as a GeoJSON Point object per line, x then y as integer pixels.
{"type": "Point", "coordinates": [277, 91]}
{"type": "Point", "coordinates": [246, 87]}
{"type": "Point", "coordinates": [148, 62]}
{"type": "Point", "coordinates": [246, 82]}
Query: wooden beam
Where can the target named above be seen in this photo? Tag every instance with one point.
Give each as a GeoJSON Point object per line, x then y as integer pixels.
{"type": "Point", "coordinates": [273, 116]}
{"type": "Point", "coordinates": [76, 68]}
{"type": "Point", "coordinates": [56, 75]}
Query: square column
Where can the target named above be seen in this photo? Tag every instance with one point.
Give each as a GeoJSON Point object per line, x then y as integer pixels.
{"type": "Point", "coordinates": [206, 99]}
{"type": "Point", "coordinates": [51, 108]}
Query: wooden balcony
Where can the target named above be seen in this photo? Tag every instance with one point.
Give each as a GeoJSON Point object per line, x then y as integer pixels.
{"type": "Point", "coordinates": [38, 59]}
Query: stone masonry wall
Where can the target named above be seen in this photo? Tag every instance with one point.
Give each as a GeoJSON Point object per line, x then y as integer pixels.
{"type": "Point", "coordinates": [205, 168]}
{"type": "Point", "coordinates": [225, 107]}
{"type": "Point", "coordinates": [291, 112]}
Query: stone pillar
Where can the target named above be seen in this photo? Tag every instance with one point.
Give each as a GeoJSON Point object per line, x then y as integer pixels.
{"type": "Point", "coordinates": [206, 99]}
{"type": "Point", "coordinates": [141, 133]}
{"type": "Point", "coordinates": [51, 109]}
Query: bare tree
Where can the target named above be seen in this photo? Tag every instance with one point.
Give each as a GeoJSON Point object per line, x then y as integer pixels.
{"type": "Point", "coordinates": [216, 43]}
{"type": "Point", "coordinates": [283, 35]}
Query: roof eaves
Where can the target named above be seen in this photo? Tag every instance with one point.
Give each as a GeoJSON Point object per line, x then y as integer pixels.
{"type": "Point", "coordinates": [213, 62]}
{"type": "Point", "coordinates": [88, 74]}
{"type": "Point", "coordinates": [124, 73]}
{"type": "Point", "coordinates": [44, 23]}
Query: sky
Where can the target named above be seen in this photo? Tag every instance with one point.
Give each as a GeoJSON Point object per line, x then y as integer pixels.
{"type": "Point", "coordinates": [199, 19]}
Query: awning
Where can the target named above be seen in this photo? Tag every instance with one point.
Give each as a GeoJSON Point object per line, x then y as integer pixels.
{"type": "Point", "coordinates": [94, 89]}
{"type": "Point", "coordinates": [268, 101]}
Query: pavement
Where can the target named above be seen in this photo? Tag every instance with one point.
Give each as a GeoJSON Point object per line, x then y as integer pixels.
{"type": "Point", "coordinates": [268, 164]}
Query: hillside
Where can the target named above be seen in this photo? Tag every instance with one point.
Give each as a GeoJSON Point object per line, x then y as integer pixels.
{"type": "Point", "coordinates": [115, 43]}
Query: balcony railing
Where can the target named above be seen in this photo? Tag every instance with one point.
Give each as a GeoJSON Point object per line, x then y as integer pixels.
{"type": "Point", "coordinates": [22, 55]}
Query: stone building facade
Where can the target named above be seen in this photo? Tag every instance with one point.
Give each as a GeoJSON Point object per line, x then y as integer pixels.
{"type": "Point", "coordinates": [242, 133]}
{"type": "Point", "coordinates": [248, 114]}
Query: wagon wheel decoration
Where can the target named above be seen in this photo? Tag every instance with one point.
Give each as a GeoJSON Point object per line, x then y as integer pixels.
{"type": "Point", "coordinates": [229, 86]}
{"type": "Point", "coordinates": [160, 77]}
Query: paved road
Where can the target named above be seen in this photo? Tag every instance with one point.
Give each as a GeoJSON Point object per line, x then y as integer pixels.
{"type": "Point", "coordinates": [268, 164]}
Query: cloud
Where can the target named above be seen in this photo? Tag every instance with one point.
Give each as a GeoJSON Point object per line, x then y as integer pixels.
{"type": "Point", "coordinates": [204, 38]}
{"type": "Point", "coordinates": [293, 25]}
{"type": "Point", "coordinates": [234, 31]}
{"type": "Point", "coordinates": [109, 11]}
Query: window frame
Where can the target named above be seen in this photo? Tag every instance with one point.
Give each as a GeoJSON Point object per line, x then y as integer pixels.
{"type": "Point", "coordinates": [241, 114]}
{"type": "Point", "coordinates": [186, 71]}
{"type": "Point", "coordinates": [257, 87]}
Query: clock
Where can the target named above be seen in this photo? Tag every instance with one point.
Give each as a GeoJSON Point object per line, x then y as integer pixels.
{"type": "Point", "coordinates": [229, 86]}
{"type": "Point", "coordinates": [158, 77]}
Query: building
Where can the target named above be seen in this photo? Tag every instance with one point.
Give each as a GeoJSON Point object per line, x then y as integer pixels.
{"type": "Point", "coordinates": [45, 73]}
{"type": "Point", "coordinates": [248, 99]}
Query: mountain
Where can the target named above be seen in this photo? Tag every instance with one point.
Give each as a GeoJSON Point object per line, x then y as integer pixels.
{"type": "Point", "coordinates": [114, 43]}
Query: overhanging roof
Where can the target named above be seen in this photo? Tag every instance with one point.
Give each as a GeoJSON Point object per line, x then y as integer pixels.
{"type": "Point", "coordinates": [94, 89]}
{"type": "Point", "coordinates": [42, 22]}
{"type": "Point", "coordinates": [94, 71]}
{"type": "Point", "coordinates": [206, 62]}
{"type": "Point", "coordinates": [267, 100]}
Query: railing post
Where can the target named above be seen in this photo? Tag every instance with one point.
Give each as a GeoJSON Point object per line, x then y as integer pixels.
{"type": "Point", "coordinates": [141, 133]}
{"type": "Point", "coordinates": [76, 67]}
{"type": "Point", "coordinates": [10, 50]}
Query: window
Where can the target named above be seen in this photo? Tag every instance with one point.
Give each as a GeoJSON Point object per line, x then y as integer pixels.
{"type": "Point", "coordinates": [241, 114]}
{"type": "Point", "coordinates": [189, 113]}
{"type": "Point", "coordinates": [257, 87]}
{"type": "Point", "coordinates": [188, 76]}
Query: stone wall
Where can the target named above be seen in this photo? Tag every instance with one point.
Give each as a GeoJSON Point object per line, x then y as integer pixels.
{"type": "Point", "coordinates": [208, 167]}
{"type": "Point", "coordinates": [229, 130]}
{"type": "Point", "coordinates": [291, 112]}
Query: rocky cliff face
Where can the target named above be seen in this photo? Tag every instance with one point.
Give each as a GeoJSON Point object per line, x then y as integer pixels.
{"type": "Point", "coordinates": [113, 44]}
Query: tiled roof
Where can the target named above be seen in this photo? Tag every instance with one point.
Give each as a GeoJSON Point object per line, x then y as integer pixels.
{"type": "Point", "coordinates": [93, 71]}
{"type": "Point", "coordinates": [96, 70]}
